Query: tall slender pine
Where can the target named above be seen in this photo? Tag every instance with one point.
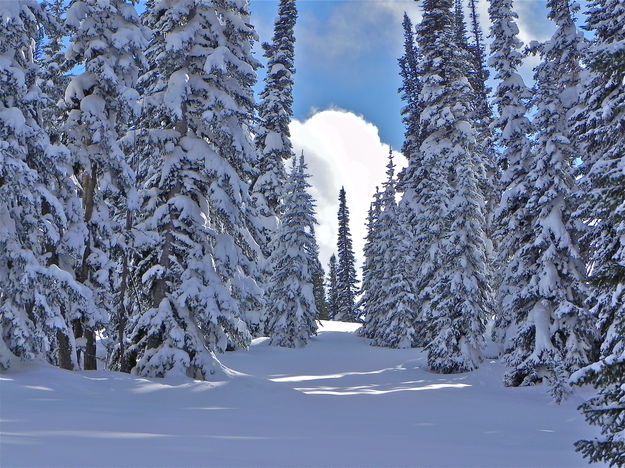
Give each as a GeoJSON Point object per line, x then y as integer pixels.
{"type": "Point", "coordinates": [553, 334]}
{"type": "Point", "coordinates": [346, 271]}
{"type": "Point", "coordinates": [371, 270]}
{"type": "Point", "coordinates": [331, 287]}
{"type": "Point", "coordinates": [291, 299]}
{"type": "Point", "coordinates": [393, 300]}
{"type": "Point", "coordinates": [273, 138]}
{"type": "Point", "coordinates": [452, 277]}
{"type": "Point", "coordinates": [512, 135]}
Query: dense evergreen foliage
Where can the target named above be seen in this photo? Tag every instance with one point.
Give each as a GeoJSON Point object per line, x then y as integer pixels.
{"type": "Point", "coordinates": [273, 141]}
{"type": "Point", "coordinates": [601, 132]}
{"type": "Point", "coordinates": [291, 300]}
{"type": "Point", "coordinates": [553, 333]}
{"type": "Point", "coordinates": [345, 270]}
{"type": "Point", "coordinates": [145, 206]}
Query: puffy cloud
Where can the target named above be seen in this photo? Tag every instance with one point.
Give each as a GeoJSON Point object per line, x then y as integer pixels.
{"type": "Point", "coordinates": [342, 149]}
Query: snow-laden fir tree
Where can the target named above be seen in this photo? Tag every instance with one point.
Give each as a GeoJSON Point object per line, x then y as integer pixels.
{"type": "Point", "coordinates": [452, 279]}
{"type": "Point", "coordinates": [553, 333]}
{"type": "Point", "coordinates": [396, 314]}
{"type": "Point", "coordinates": [275, 111]}
{"type": "Point", "coordinates": [54, 69]}
{"type": "Point", "coordinates": [319, 290]}
{"type": "Point", "coordinates": [607, 408]}
{"type": "Point", "coordinates": [197, 253]}
{"type": "Point", "coordinates": [346, 282]}
{"type": "Point", "coordinates": [291, 302]}
{"type": "Point", "coordinates": [512, 136]}
{"type": "Point", "coordinates": [106, 42]}
{"type": "Point", "coordinates": [372, 269]}
{"type": "Point", "coordinates": [483, 122]}
{"type": "Point", "coordinates": [233, 76]}
{"type": "Point", "coordinates": [331, 287]}
{"type": "Point", "coordinates": [475, 70]}
{"type": "Point", "coordinates": [479, 82]}
{"type": "Point", "coordinates": [38, 297]}
{"type": "Point", "coordinates": [409, 92]}
{"type": "Point", "coordinates": [602, 135]}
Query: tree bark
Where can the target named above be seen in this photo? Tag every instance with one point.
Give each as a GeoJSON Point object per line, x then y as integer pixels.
{"type": "Point", "coordinates": [64, 351]}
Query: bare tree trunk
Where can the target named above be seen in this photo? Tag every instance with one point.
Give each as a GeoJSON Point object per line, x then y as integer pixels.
{"type": "Point", "coordinates": [64, 351]}
{"type": "Point", "coordinates": [89, 184]}
{"type": "Point", "coordinates": [91, 362]}
{"type": "Point", "coordinates": [122, 312]}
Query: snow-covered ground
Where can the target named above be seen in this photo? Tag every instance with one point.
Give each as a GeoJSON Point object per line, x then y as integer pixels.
{"type": "Point", "coordinates": [337, 402]}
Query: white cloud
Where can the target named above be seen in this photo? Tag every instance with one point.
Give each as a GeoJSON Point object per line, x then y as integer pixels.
{"type": "Point", "coordinates": [342, 149]}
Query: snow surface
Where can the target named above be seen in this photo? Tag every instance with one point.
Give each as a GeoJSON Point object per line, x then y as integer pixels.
{"type": "Point", "coordinates": [337, 402]}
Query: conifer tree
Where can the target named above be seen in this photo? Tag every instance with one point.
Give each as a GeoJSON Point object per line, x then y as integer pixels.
{"type": "Point", "coordinates": [291, 301]}
{"type": "Point", "coordinates": [346, 271]}
{"type": "Point", "coordinates": [273, 138]}
{"type": "Point", "coordinates": [600, 132]}
{"type": "Point", "coordinates": [371, 271]}
{"type": "Point", "coordinates": [452, 279]}
{"type": "Point", "coordinates": [513, 131]}
{"type": "Point", "coordinates": [602, 136]}
{"type": "Point", "coordinates": [197, 254]}
{"type": "Point", "coordinates": [553, 332]}
{"type": "Point", "coordinates": [483, 123]}
{"type": "Point", "coordinates": [54, 69]}
{"type": "Point", "coordinates": [476, 72]}
{"type": "Point", "coordinates": [318, 279]}
{"type": "Point", "coordinates": [606, 409]}
{"type": "Point", "coordinates": [479, 83]}
{"type": "Point", "coordinates": [107, 41]}
{"type": "Point", "coordinates": [38, 297]}
{"type": "Point", "coordinates": [409, 91]}
{"type": "Point", "coordinates": [332, 291]}
{"type": "Point", "coordinates": [395, 308]}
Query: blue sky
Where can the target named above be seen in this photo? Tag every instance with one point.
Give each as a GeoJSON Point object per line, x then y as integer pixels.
{"type": "Point", "coordinates": [346, 105]}
{"type": "Point", "coordinates": [347, 50]}
{"type": "Point", "coordinates": [337, 66]}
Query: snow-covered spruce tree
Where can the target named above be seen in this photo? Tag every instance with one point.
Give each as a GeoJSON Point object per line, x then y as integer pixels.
{"type": "Point", "coordinates": [606, 409]}
{"type": "Point", "coordinates": [332, 291]}
{"type": "Point", "coordinates": [54, 69]}
{"type": "Point", "coordinates": [319, 290]}
{"type": "Point", "coordinates": [512, 135]}
{"type": "Point", "coordinates": [273, 138]}
{"type": "Point", "coordinates": [106, 41]}
{"type": "Point", "coordinates": [453, 277]}
{"type": "Point", "coordinates": [237, 250]}
{"type": "Point", "coordinates": [602, 135]}
{"type": "Point", "coordinates": [479, 82]}
{"type": "Point", "coordinates": [474, 69]}
{"type": "Point", "coordinates": [291, 301]}
{"type": "Point", "coordinates": [371, 271]}
{"type": "Point", "coordinates": [38, 297]}
{"type": "Point", "coordinates": [397, 312]}
{"type": "Point", "coordinates": [197, 254]}
{"type": "Point", "coordinates": [483, 122]}
{"type": "Point", "coordinates": [409, 92]}
{"type": "Point", "coordinates": [346, 282]}
{"type": "Point", "coordinates": [553, 333]}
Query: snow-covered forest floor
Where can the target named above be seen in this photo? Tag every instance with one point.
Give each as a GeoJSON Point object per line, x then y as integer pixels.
{"type": "Point", "coordinates": [337, 402]}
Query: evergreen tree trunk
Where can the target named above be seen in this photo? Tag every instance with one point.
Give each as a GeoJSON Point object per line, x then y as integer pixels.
{"type": "Point", "coordinates": [64, 351]}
